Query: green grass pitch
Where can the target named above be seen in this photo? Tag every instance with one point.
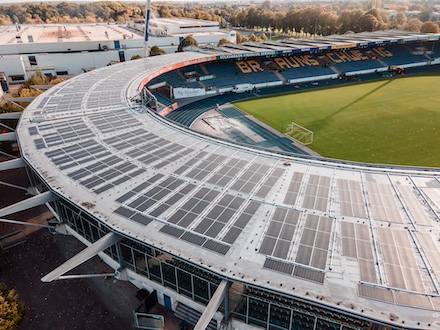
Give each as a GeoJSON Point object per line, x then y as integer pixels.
{"type": "Point", "coordinates": [393, 121]}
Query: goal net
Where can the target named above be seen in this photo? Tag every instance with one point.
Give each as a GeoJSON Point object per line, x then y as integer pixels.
{"type": "Point", "coordinates": [299, 133]}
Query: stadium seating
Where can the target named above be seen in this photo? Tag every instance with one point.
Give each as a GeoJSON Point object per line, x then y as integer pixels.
{"type": "Point", "coordinates": [227, 74]}
{"type": "Point", "coordinates": [162, 99]}
{"type": "Point", "coordinates": [306, 71]}
{"type": "Point", "coordinates": [403, 54]}
{"type": "Point", "coordinates": [174, 79]}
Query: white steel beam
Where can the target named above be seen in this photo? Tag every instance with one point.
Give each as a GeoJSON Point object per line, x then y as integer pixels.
{"type": "Point", "coordinates": [10, 115]}
{"type": "Point", "coordinates": [8, 136]}
{"type": "Point", "coordinates": [17, 222]}
{"type": "Point", "coordinates": [37, 200]}
{"type": "Point", "coordinates": [86, 254]}
{"type": "Point", "coordinates": [220, 294]}
{"type": "Point", "coordinates": [12, 164]}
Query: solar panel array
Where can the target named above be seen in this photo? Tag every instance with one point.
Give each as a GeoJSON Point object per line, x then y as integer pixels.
{"type": "Point", "coordinates": [250, 178]}
{"type": "Point", "coordinates": [315, 241]}
{"type": "Point", "coordinates": [104, 99]}
{"type": "Point", "coordinates": [65, 102]}
{"type": "Point", "coordinates": [356, 243]}
{"type": "Point", "coordinates": [129, 213]}
{"type": "Point", "coordinates": [291, 269]}
{"type": "Point", "coordinates": [293, 190]}
{"type": "Point", "coordinates": [398, 256]}
{"type": "Point", "coordinates": [351, 199]}
{"type": "Point", "coordinates": [227, 172]}
{"type": "Point", "coordinates": [219, 217]}
{"type": "Point", "coordinates": [62, 132]}
{"type": "Point", "coordinates": [317, 193]}
{"type": "Point", "coordinates": [152, 196]}
{"type": "Point", "coordinates": [418, 211]}
{"type": "Point", "coordinates": [280, 232]}
{"type": "Point", "coordinates": [382, 201]}
{"type": "Point", "coordinates": [114, 121]}
{"type": "Point", "coordinates": [77, 154]}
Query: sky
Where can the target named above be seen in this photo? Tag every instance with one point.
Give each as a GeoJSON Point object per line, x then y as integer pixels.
{"type": "Point", "coordinates": [5, 2]}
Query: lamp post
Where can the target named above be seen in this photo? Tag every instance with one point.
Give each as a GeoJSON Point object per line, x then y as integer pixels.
{"type": "Point", "coordinates": [147, 21]}
{"type": "Point", "coordinates": [316, 25]}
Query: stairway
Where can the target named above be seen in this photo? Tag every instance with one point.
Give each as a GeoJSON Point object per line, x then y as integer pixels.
{"type": "Point", "coordinates": [382, 62]}
{"type": "Point", "coordinates": [333, 68]}
{"type": "Point", "coordinates": [192, 316]}
{"type": "Point", "coordinates": [281, 77]}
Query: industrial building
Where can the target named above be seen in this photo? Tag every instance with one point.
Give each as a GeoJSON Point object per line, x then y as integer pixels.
{"type": "Point", "coordinates": [71, 49]}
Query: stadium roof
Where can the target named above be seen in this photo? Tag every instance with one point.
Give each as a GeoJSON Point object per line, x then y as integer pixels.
{"type": "Point", "coordinates": [359, 238]}
{"type": "Point", "coordinates": [296, 45]}
{"type": "Point", "coordinates": [54, 33]}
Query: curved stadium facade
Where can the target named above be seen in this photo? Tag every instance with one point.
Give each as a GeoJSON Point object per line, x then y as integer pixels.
{"type": "Point", "coordinates": [289, 241]}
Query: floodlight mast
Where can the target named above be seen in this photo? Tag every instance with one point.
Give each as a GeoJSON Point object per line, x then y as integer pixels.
{"type": "Point", "coordinates": [147, 21]}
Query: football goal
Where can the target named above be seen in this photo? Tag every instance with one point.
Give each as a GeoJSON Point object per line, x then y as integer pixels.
{"type": "Point", "coordinates": [299, 133]}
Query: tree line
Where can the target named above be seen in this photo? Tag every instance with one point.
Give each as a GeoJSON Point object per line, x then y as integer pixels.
{"type": "Point", "coordinates": [338, 18]}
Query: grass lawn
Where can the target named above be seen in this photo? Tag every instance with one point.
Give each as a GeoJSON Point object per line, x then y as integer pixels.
{"type": "Point", "coordinates": [393, 121]}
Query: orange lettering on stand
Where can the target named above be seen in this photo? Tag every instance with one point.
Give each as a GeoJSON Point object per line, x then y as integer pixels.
{"type": "Point", "coordinates": [343, 56]}
{"type": "Point", "coordinates": [385, 52]}
{"type": "Point", "coordinates": [301, 60]}
{"type": "Point", "coordinates": [292, 64]}
{"type": "Point", "coordinates": [312, 61]}
{"type": "Point", "coordinates": [330, 56]}
{"type": "Point", "coordinates": [243, 67]}
{"type": "Point", "coordinates": [254, 65]}
{"type": "Point", "coordinates": [281, 63]}
{"type": "Point", "coordinates": [358, 54]}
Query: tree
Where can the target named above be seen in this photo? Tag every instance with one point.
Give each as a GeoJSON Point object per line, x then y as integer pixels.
{"type": "Point", "coordinates": [429, 27]}
{"type": "Point", "coordinates": [425, 15]}
{"type": "Point", "coordinates": [398, 20]}
{"type": "Point", "coordinates": [188, 41]}
{"type": "Point", "coordinates": [11, 309]}
{"type": "Point", "coordinates": [413, 25]}
{"type": "Point", "coordinates": [4, 108]}
{"type": "Point", "coordinates": [253, 38]}
{"type": "Point", "coordinates": [239, 38]}
{"type": "Point", "coordinates": [266, 5]}
{"type": "Point", "coordinates": [37, 79]}
{"type": "Point", "coordinates": [164, 11]}
{"type": "Point", "coordinates": [223, 41]}
{"type": "Point", "coordinates": [155, 51]}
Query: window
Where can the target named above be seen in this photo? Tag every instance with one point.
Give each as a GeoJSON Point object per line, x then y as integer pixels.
{"type": "Point", "coordinates": [17, 77]}
{"type": "Point", "coordinates": [32, 60]}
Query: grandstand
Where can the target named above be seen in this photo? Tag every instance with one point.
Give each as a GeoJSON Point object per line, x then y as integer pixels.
{"type": "Point", "coordinates": [234, 235]}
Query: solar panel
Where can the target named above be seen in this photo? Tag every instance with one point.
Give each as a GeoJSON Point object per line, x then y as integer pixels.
{"type": "Point", "coordinates": [125, 197]}
{"type": "Point", "coordinates": [283, 267]}
{"type": "Point", "coordinates": [232, 235]}
{"type": "Point", "coordinates": [292, 191]}
{"type": "Point", "coordinates": [141, 219]}
{"type": "Point", "coordinates": [193, 238]}
{"type": "Point", "coordinates": [216, 247]}
{"type": "Point", "coordinates": [383, 203]}
{"type": "Point", "coordinates": [269, 183]}
{"type": "Point", "coordinates": [172, 231]}
{"type": "Point", "coordinates": [309, 274]}
{"type": "Point", "coordinates": [124, 212]}
{"type": "Point", "coordinates": [371, 292]}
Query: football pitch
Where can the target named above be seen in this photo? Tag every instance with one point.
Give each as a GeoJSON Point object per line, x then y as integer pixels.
{"type": "Point", "coordinates": [392, 121]}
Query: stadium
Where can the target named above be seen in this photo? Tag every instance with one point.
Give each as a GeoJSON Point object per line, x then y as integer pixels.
{"type": "Point", "coordinates": [238, 233]}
